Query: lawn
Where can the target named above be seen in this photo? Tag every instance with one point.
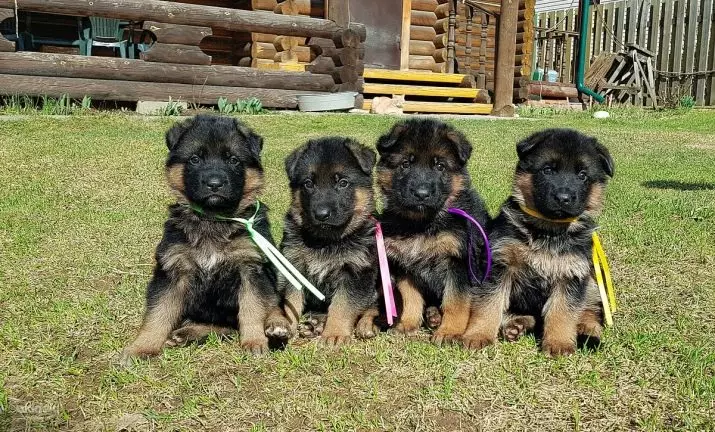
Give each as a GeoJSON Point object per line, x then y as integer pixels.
{"type": "Point", "coordinates": [82, 202]}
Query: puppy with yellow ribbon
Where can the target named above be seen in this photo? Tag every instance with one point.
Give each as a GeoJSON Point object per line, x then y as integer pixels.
{"type": "Point", "coordinates": [550, 272]}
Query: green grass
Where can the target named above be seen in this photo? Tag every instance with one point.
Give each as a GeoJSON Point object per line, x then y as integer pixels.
{"type": "Point", "coordinates": [82, 202]}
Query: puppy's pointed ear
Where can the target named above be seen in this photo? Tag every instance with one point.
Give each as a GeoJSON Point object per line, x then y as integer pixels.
{"type": "Point", "coordinates": [365, 156]}
{"type": "Point", "coordinates": [387, 141]}
{"type": "Point", "coordinates": [461, 145]}
{"type": "Point", "coordinates": [174, 134]}
{"type": "Point", "coordinates": [605, 157]}
{"type": "Point", "coordinates": [530, 143]}
{"type": "Point", "coordinates": [291, 161]}
{"type": "Point", "coordinates": [253, 140]}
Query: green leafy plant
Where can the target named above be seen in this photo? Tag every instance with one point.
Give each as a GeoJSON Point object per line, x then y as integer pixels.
{"type": "Point", "coordinates": [246, 106]}
{"type": "Point", "coordinates": [172, 108]}
{"type": "Point", "coordinates": [686, 102]}
{"type": "Point", "coordinates": [224, 106]}
{"type": "Point", "coordinates": [87, 103]}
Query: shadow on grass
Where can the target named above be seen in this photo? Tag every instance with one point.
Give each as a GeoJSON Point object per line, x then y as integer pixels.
{"type": "Point", "coordinates": [678, 185]}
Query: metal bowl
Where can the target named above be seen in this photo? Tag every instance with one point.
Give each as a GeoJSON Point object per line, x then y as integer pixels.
{"type": "Point", "coordinates": [326, 101]}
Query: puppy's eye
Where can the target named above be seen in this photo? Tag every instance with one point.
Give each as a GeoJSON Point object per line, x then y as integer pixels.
{"type": "Point", "coordinates": [439, 166]}
{"type": "Point", "coordinates": [308, 184]}
{"type": "Point", "coordinates": [547, 170]}
{"type": "Point", "coordinates": [405, 164]}
{"type": "Point", "coordinates": [582, 175]}
{"type": "Point", "coordinates": [343, 183]}
{"type": "Point", "coordinates": [233, 160]}
{"type": "Point", "coordinates": [194, 160]}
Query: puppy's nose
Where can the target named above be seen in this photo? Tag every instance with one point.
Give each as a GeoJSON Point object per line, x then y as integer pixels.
{"type": "Point", "coordinates": [422, 192]}
{"type": "Point", "coordinates": [321, 213]}
{"type": "Point", "coordinates": [564, 198]}
{"type": "Point", "coordinates": [215, 183]}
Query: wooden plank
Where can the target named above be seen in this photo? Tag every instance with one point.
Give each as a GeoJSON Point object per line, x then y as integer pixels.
{"type": "Point", "coordinates": [678, 35]}
{"type": "Point", "coordinates": [267, 5]}
{"type": "Point", "coordinates": [608, 22]}
{"type": "Point", "coordinates": [504, 63]}
{"type": "Point", "coordinates": [711, 65]}
{"type": "Point", "coordinates": [288, 67]}
{"type": "Point", "coordinates": [569, 64]}
{"type": "Point", "coordinates": [338, 11]}
{"type": "Point", "coordinates": [655, 26]}
{"type": "Point", "coordinates": [560, 54]}
{"type": "Point", "coordinates": [440, 107]}
{"type": "Point", "coordinates": [111, 68]}
{"type": "Point", "coordinates": [394, 75]}
{"type": "Point", "coordinates": [644, 16]}
{"type": "Point", "coordinates": [632, 10]}
{"type": "Point", "coordinates": [422, 62]}
{"type": "Point", "coordinates": [405, 34]}
{"type": "Point", "coordinates": [422, 33]}
{"type": "Point", "coordinates": [597, 30]}
{"type": "Point", "coordinates": [705, 33]}
{"type": "Point", "coordinates": [420, 18]}
{"type": "Point", "coordinates": [665, 43]}
{"type": "Point", "coordinates": [619, 20]}
{"type": "Point", "coordinates": [134, 90]}
{"type": "Point", "coordinates": [401, 89]}
{"type": "Point", "coordinates": [691, 43]}
{"type": "Point", "coordinates": [188, 14]}
{"type": "Point", "coordinates": [424, 5]}
{"type": "Point", "coordinates": [422, 48]}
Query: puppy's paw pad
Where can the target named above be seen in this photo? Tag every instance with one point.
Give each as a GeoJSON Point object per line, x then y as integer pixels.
{"type": "Point", "coordinates": [365, 331]}
{"type": "Point", "coordinates": [279, 332]}
{"type": "Point", "coordinates": [433, 317]}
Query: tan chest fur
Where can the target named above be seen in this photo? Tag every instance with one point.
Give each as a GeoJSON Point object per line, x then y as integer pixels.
{"type": "Point", "coordinates": [320, 264]}
{"type": "Point", "coordinates": [209, 254]}
{"type": "Point", "coordinates": [423, 247]}
{"type": "Point", "coordinates": [518, 257]}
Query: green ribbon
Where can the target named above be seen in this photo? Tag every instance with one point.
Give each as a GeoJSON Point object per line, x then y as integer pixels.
{"type": "Point", "coordinates": [274, 256]}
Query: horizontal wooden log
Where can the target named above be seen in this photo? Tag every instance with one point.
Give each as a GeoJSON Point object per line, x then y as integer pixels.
{"type": "Point", "coordinates": [421, 47]}
{"type": "Point", "coordinates": [111, 68]}
{"type": "Point", "coordinates": [283, 43]}
{"type": "Point", "coordinates": [442, 11]}
{"type": "Point", "coordinates": [293, 7]}
{"type": "Point", "coordinates": [421, 62]}
{"type": "Point", "coordinates": [346, 39]}
{"type": "Point", "coordinates": [422, 18]}
{"type": "Point", "coordinates": [422, 33]}
{"type": "Point", "coordinates": [265, 5]}
{"type": "Point", "coordinates": [340, 56]}
{"type": "Point", "coordinates": [439, 68]}
{"type": "Point", "coordinates": [548, 90]}
{"type": "Point", "coordinates": [177, 33]}
{"type": "Point", "coordinates": [134, 91]}
{"type": "Point", "coordinates": [245, 62]}
{"type": "Point", "coordinates": [212, 45]}
{"type": "Point", "coordinates": [418, 90]}
{"type": "Point", "coordinates": [6, 45]}
{"type": "Point", "coordinates": [424, 5]}
{"type": "Point", "coordinates": [321, 65]}
{"type": "Point", "coordinates": [298, 54]}
{"type": "Point", "coordinates": [175, 53]}
{"type": "Point", "coordinates": [187, 14]}
{"type": "Point", "coordinates": [263, 37]}
{"type": "Point", "coordinates": [348, 74]}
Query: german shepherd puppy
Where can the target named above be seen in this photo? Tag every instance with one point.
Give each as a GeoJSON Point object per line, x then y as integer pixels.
{"type": "Point", "coordinates": [542, 246]}
{"type": "Point", "coordinates": [329, 235]}
{"type": "Point", "coordinates": [209, 276]}
{"type": "Point", "coordinates": [422, 172]}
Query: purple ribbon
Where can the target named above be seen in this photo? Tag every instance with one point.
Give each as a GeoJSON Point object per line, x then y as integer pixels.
{"type": "Point", "coordinates": [472, 276]}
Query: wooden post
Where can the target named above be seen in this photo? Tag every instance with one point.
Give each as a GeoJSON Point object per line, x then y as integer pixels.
{"type": "Point", "coordinates": [338, 11]}
{"type": "Point", "coordinates": [506, 50]}
{"type": "Point", "coordinates": [451, 35]}
{"type": "Point", "coordinates": [405, 36]}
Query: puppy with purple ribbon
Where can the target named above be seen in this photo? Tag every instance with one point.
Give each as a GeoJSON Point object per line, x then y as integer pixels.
{"type": "Point", "coordinates": [437, 255]}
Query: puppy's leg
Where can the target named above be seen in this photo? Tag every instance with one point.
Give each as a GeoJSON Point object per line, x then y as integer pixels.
{"type": "Point", "coordinates": [342, 314]}
{"type": "Point", "coordinates": [456, 307]}
{"type": "Point", "coordinates": [277, 325]}
{"type": "Point", "coordinates": [560, 324]}
{"type": "Point", "coordinates": [293, 304]}
{"type": "Point", "coordinates": [163, 314]}
{"type": "Point", "coordinates": [484, 320]}
{"type": "Point", "coordinates": [252, 312]}
{"type": "Point", "coordinates": [196, 332]}
{"type": "Point", "coordinates": [515, 326]}
{"type": "Point", "coordinates": [412, 307]}
{"type": "Point", "coordinates": [366, 327]}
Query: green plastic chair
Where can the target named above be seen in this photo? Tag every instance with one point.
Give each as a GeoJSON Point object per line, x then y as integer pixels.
{"type": "Point", "coordinates": [105, 32]}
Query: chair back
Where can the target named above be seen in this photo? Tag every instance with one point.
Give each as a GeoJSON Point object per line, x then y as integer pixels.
{"type": "Point", "coordinates": [105, 28]}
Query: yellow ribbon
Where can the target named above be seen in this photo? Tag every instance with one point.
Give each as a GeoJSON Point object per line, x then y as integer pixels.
{"type": "Point", "coordinates": [600, 266]}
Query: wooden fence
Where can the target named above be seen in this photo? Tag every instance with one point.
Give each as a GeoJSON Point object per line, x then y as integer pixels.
{"type": "Point", "coordinates": [680, 33]}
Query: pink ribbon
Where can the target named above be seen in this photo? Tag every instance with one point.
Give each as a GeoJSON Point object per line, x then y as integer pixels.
{"type": "Point", "coordinates": [388, 293]}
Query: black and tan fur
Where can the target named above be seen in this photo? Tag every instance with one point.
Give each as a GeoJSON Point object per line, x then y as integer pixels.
{"type": "Point", "coordinates": [209, 276]}
{"type": "Point", "coordinates": [543, 275]}
{"type": "Point", "coordinates": [422, 172]}
{"type": "Point", "coordinates": [329, 236]}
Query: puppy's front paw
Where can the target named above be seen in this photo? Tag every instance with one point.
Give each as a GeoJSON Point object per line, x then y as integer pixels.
{"type": "Point", "coordinates": [477, 341]}
{"type": "Point", "coordinates": [517, 326]}
{"type": "Point", "coordinates": [555, 348]}
{"type": "Point", "coordinates": [366, 330]}
{"type": "Point", "coordinates": [406, 329]}
{"type": "Point", "coordinates": [441, 338]}
{"type": "Point", "coordinates": [333, 340]}
{"type": "Point", "coordinates": [279, 328]}
{"type": "Point", "coordinates": [433, 317]}
{"type": "Point", "coordinates": [139, 352]}
{"type": "Point", "coordinates": [255, 346]}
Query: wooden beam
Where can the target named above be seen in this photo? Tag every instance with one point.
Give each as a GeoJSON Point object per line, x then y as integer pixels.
{"type": "Point", "coordinates": [405, 34]}
{"type": "Point", "coordinates": [338, 11]}
{"type": "Point", "coordinates": [504, 71]}
{"type": "Point", "coordinates": [111, 68]}
{"type": "Point", "coordinates": [424, 5]}
{"type": "Point", "coordinates": [177, 33]}
{"type": "Point", "coordinates": [133, 91]}
{"type": "Point", "coordinates": [188, 14]}
{"type": "Point", "coordinates": [400, 89]}
{"type": "Point", "coordinates": [175, 53]}
{"type": "Point", "coordinates": [440, 107]}
{"type": "Point", "coordinates": [394, 75]}
{"type": "Point", "coordinates": [421, 47]}
{"type": "Point", "coordinates": [422, 33]}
